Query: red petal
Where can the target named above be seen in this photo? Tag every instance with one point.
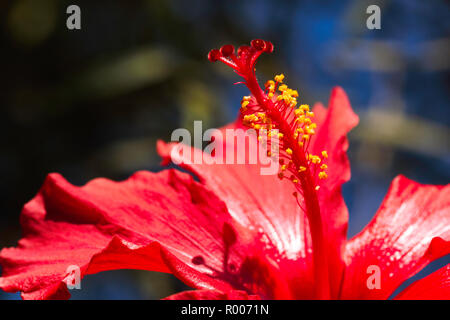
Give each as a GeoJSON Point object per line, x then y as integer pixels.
{"type": "Point", "coordinates": [109, 225]}
{"type": "Point", "coordinates": [212, 295]}
{"type": "Point", "coordinates": [436, 286]}
{"type": "Point", "coordinates": [333, 125]}
{"type": "Point", "coordinates": [265, 208]}
{"type": "Point", "coordinates": [410, 229]}
{"type": "Point", "coordinates": [264, 202]}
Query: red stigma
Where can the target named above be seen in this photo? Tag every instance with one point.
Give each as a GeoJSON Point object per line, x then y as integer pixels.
{"type": "Point", "coordinates": [227, 50]}
{"type": "Point", "coordinates": [214, 55]}
{"type": "Point", "coordinates": [258, 44]}
{"type": "Point", "coordinates": [269, 47]}
{"type": "Point", "coordinates": [243, 50]}
{"type": "Point", "coordinates": [244, 62]}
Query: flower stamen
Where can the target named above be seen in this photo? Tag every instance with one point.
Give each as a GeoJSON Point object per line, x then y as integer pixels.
{"type": "Point", "coordinates": [277, 110]}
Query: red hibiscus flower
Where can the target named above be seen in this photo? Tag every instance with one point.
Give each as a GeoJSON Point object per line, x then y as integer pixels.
{"type": "Point", "coordinates": [234, 233]}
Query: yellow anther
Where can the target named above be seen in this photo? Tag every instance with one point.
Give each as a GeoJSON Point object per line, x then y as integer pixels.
{"type": "Point", "coordinates": [283, 87]}
{"type": "Point", "coordinates": [313, 126]}
{"type": "Point", "coordinates": [250, 118]}
{"type": "Point", "coordinates": [323, 167]}
{"type": "Point", "coordinates": [280, 136]}
{"type": "Point", "coordinates": [295, 181]}
{"type": "Point", "coordinates": [317, 188]}
{"type": "Point", "coordinates": [246, 98]}
{"type": "Point", "coordinates": [305, 137]}
{"type": "Point", "coordinates": [270, 95]}
{"type": "Point", "coordinates": [314, 159]}
{"type": "Point", "coordinates": [310, 114]}
{"type": "Point", "coordinates": [286, 97]}
{"type": "Point", "coordinates": [270, 83]}
{"type": "Point", "coordinates": [257, 126]}
{"type": "Point", "coordinates": [325, 154]}
{"type": "Point", "coordinates": [298, 112]}
{"type": "Point", "coordinates": [279, 78]}
{"type": "Point", "coordinates": [304, 107]}
{"type": "Point", "coordinates": [245, 104]}
{"type": "Point", "coordinates": [322, 175]}
{"type": "Point", "coordinates": [300, 144]}
{"type": "Point", "coordinates": [294, 93]}
{"type": "Point", "coordinates": [310, 131]}
{"type": "Point", "coordinates": [301, 169]}
{"type": "Point", "coordinates": [283, 167]}
{"type": "Point", "coordinates": [289, 151]}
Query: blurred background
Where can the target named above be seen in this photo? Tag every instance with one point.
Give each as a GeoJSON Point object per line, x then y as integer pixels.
{"type": "Point", "coordinates": [92, 102]}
